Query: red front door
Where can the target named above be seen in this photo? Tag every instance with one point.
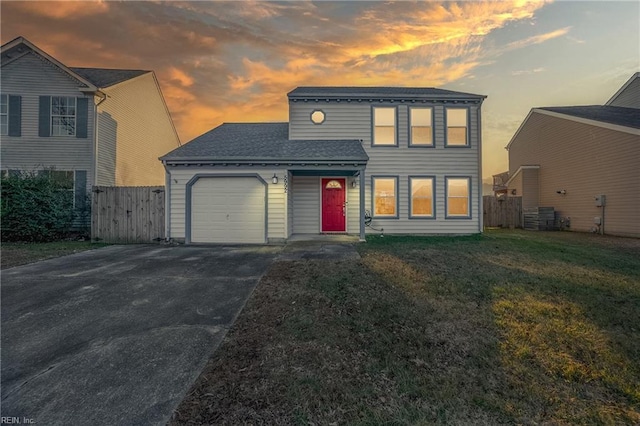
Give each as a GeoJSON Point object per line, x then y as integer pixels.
{"type": "Point", "coordinates": [333, 206]}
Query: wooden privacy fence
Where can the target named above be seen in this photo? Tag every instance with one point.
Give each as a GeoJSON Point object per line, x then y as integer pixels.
{"type": "Point", "coordinates": [127, 214]}
{"type": "Point", "coordinates": [502, 212]}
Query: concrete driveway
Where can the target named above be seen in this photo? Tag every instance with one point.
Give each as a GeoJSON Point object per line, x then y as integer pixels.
{"type": "Point", "coordinates": [118, 335]}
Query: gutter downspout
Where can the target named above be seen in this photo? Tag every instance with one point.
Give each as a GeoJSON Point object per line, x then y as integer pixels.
{"type": "Point", "coordinates": [480, 194]}
{"type": "Point", "coordinates": [103, 97]}
{"type": "Point", "coordinates": [167, 203]}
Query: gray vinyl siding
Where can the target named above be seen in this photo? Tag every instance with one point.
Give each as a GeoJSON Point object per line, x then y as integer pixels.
{"type": "Point", "coordinates": [290, 212]}
{"type": "Point", "coordinates": [629, 97]}
{"type": "Point", "coordinates": [134, 115]}
{"type": "Point", "coordinates": [31, 77]}
{"type": "Point", "coordinates": [306, 204]}
{"type": "Point", "coordinates": [353, 207]}
{"type": "Point", "coordinates": [352, 120]}
{"type": "Point", "coordinates": [584, 160]}
{"type": "Point", "coordinates": [106, 149]}
{"type": "Point", "coordinates": [276, 198]}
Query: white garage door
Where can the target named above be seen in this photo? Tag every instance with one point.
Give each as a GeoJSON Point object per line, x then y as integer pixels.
{"type": "Point", "coordinates": [228, 210]}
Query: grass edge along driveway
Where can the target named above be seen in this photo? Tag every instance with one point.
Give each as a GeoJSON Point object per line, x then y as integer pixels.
{"type": "Point", "coordinates": [17, 254]}
{"type": "Point", "coordinates": [508, 327]}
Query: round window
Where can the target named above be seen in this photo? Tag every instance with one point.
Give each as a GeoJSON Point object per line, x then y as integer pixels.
{"type": "Point", "coordinates": [317, 117]}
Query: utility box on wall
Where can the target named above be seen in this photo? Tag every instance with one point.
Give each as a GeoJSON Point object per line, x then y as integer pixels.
{"type": "Point", "coordinates": [600, 200]}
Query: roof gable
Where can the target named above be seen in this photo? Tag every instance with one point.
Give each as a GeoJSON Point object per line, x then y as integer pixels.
{"type": "Point", "coordinates": [20, 46]}
{"type": "Point", "coordinates": [630, 85]}
{"type": "Point", "coordinates": [92, 78]}
{"type": "Point", "coordinates": [620, 119]}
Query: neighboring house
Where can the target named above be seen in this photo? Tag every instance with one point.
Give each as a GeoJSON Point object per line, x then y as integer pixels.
{"type": "Point", "coordinates": [408, 158]}
{"type": "Point", "coordinates": [90, 126]}
{"type": "Point", "coordinates": [568, 157]}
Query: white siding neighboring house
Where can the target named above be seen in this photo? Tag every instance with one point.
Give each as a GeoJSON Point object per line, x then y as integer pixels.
{"type": "Point", "coordinates": [406, 158]}
{"type": "Point", "coordinates": [52, 114]}
{"type": "Point", "coordinates": [566, 157]}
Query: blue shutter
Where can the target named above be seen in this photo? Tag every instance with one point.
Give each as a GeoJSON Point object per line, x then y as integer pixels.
{"type": "Point", "coordinates": [44, 122]}
{"type": "Point", "coordinates": [15, 116]}
{"type": "Point", "coordinates": [81, 189]}
{"type": "Point", "coordinates": [82, 117]}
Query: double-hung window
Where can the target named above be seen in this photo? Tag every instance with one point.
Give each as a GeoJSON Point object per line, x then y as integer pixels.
{"type": "Point", "coordinates": [421, 132]}
{"type": "Point", "coordinates": [385, 197]}
{"type": "Point", "coordinates": [457, 128]}
{"type": "Point", "coordinates": [421, 192]}
{"type": "Point", "coordinates": [384, 126]}
{"type": "Point", "coordinates": [4, 115]}
{"type": "Point", "coordinates": [63, 116]}
{"type": "Point", "coordinates": [458, 197]}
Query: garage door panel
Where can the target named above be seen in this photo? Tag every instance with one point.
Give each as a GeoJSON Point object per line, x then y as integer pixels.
{"type": "Point", "coordinates": [228, 210]}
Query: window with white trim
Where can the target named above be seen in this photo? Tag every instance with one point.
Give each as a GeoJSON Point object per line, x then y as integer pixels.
{"type": "Point", "coordinates": [457, 134]}
{"type": "Point", "coordinates": [63, 116]}
{"type": "Point", "coordinates": [384, 126]}
{"type": "Point", "coordinates": [385, 197]}
{"type": "Point", "coordinates": [421, 190]}
{"type": "Point", "coordinates": [458, 197]}
{"type": "Point", "coordinates": [421, 127]}
{"type": "Point", "coordinates": [4, 115]}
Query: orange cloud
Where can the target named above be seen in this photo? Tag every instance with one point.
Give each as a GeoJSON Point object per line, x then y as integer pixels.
{"type": "Point", "coordinates": [537, 39]}
{"type": "Point", "coordinates": [180, 76]}
{"type": "Point", "coordinates": [442, 43]}
{"type": "Point", "coordinates": [58, 10]}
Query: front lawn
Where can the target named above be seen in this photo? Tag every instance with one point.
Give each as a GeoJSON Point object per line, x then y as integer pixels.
{"type": "Point", "coordinates": [509, 327]}
{"type": "Point", "coordinates": [15, 254]}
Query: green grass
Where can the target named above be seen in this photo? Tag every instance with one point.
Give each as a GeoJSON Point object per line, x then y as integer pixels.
{"type": "Point", "coordinates": [15, 254]}
{"type": "Point", "coordinates": [508, 327]}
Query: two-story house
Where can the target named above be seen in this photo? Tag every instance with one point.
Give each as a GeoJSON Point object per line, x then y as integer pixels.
{"type": "Point", "coordinates": [350, 160]}
{"type": "Point", "coordinates": [582, 161]}
{"type": "Point", "coordinates": [87, 126]}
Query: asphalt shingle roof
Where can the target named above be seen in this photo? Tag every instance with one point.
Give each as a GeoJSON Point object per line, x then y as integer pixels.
{"type": "Point", "coordinates": [104, 77]}
{"type": "Point", "coordinates": [628, 117]}
{"type": "Point", "coordinates": [264, 142]}
{"type": "Point", "coordinates": [366, 92]}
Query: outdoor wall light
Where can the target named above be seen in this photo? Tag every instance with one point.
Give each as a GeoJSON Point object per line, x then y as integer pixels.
{"type": "Point", "coordinates": [354, 183]}
{"type": "Point", "coordinates": [274, 179]}
{"type": "Point", "coordinates": [561, 192]}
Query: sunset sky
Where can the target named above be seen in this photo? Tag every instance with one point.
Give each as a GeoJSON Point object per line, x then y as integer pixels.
{"type": "Point", "coordinates": [235, 61]}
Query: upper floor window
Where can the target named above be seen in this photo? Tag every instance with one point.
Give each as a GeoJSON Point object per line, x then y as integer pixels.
{"type": "Point", "coordinates": [457, 134]}
{"type": "Point", "coordinates": [458, 195]}
{"type": "Point", "coordinates": [63, 116]}
{"type": "Point", "coordinates": [385, 196]}
{"type": "Point", "coordinates": [421, 127]}
{"type": "Point", "coordinates": [4, 115]}
{"type": "Point", "coordinates": [384, 126]}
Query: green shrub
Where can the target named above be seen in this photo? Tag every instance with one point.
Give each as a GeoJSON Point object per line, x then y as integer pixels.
{"type": "Point", "coordinates": [35, 208]}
